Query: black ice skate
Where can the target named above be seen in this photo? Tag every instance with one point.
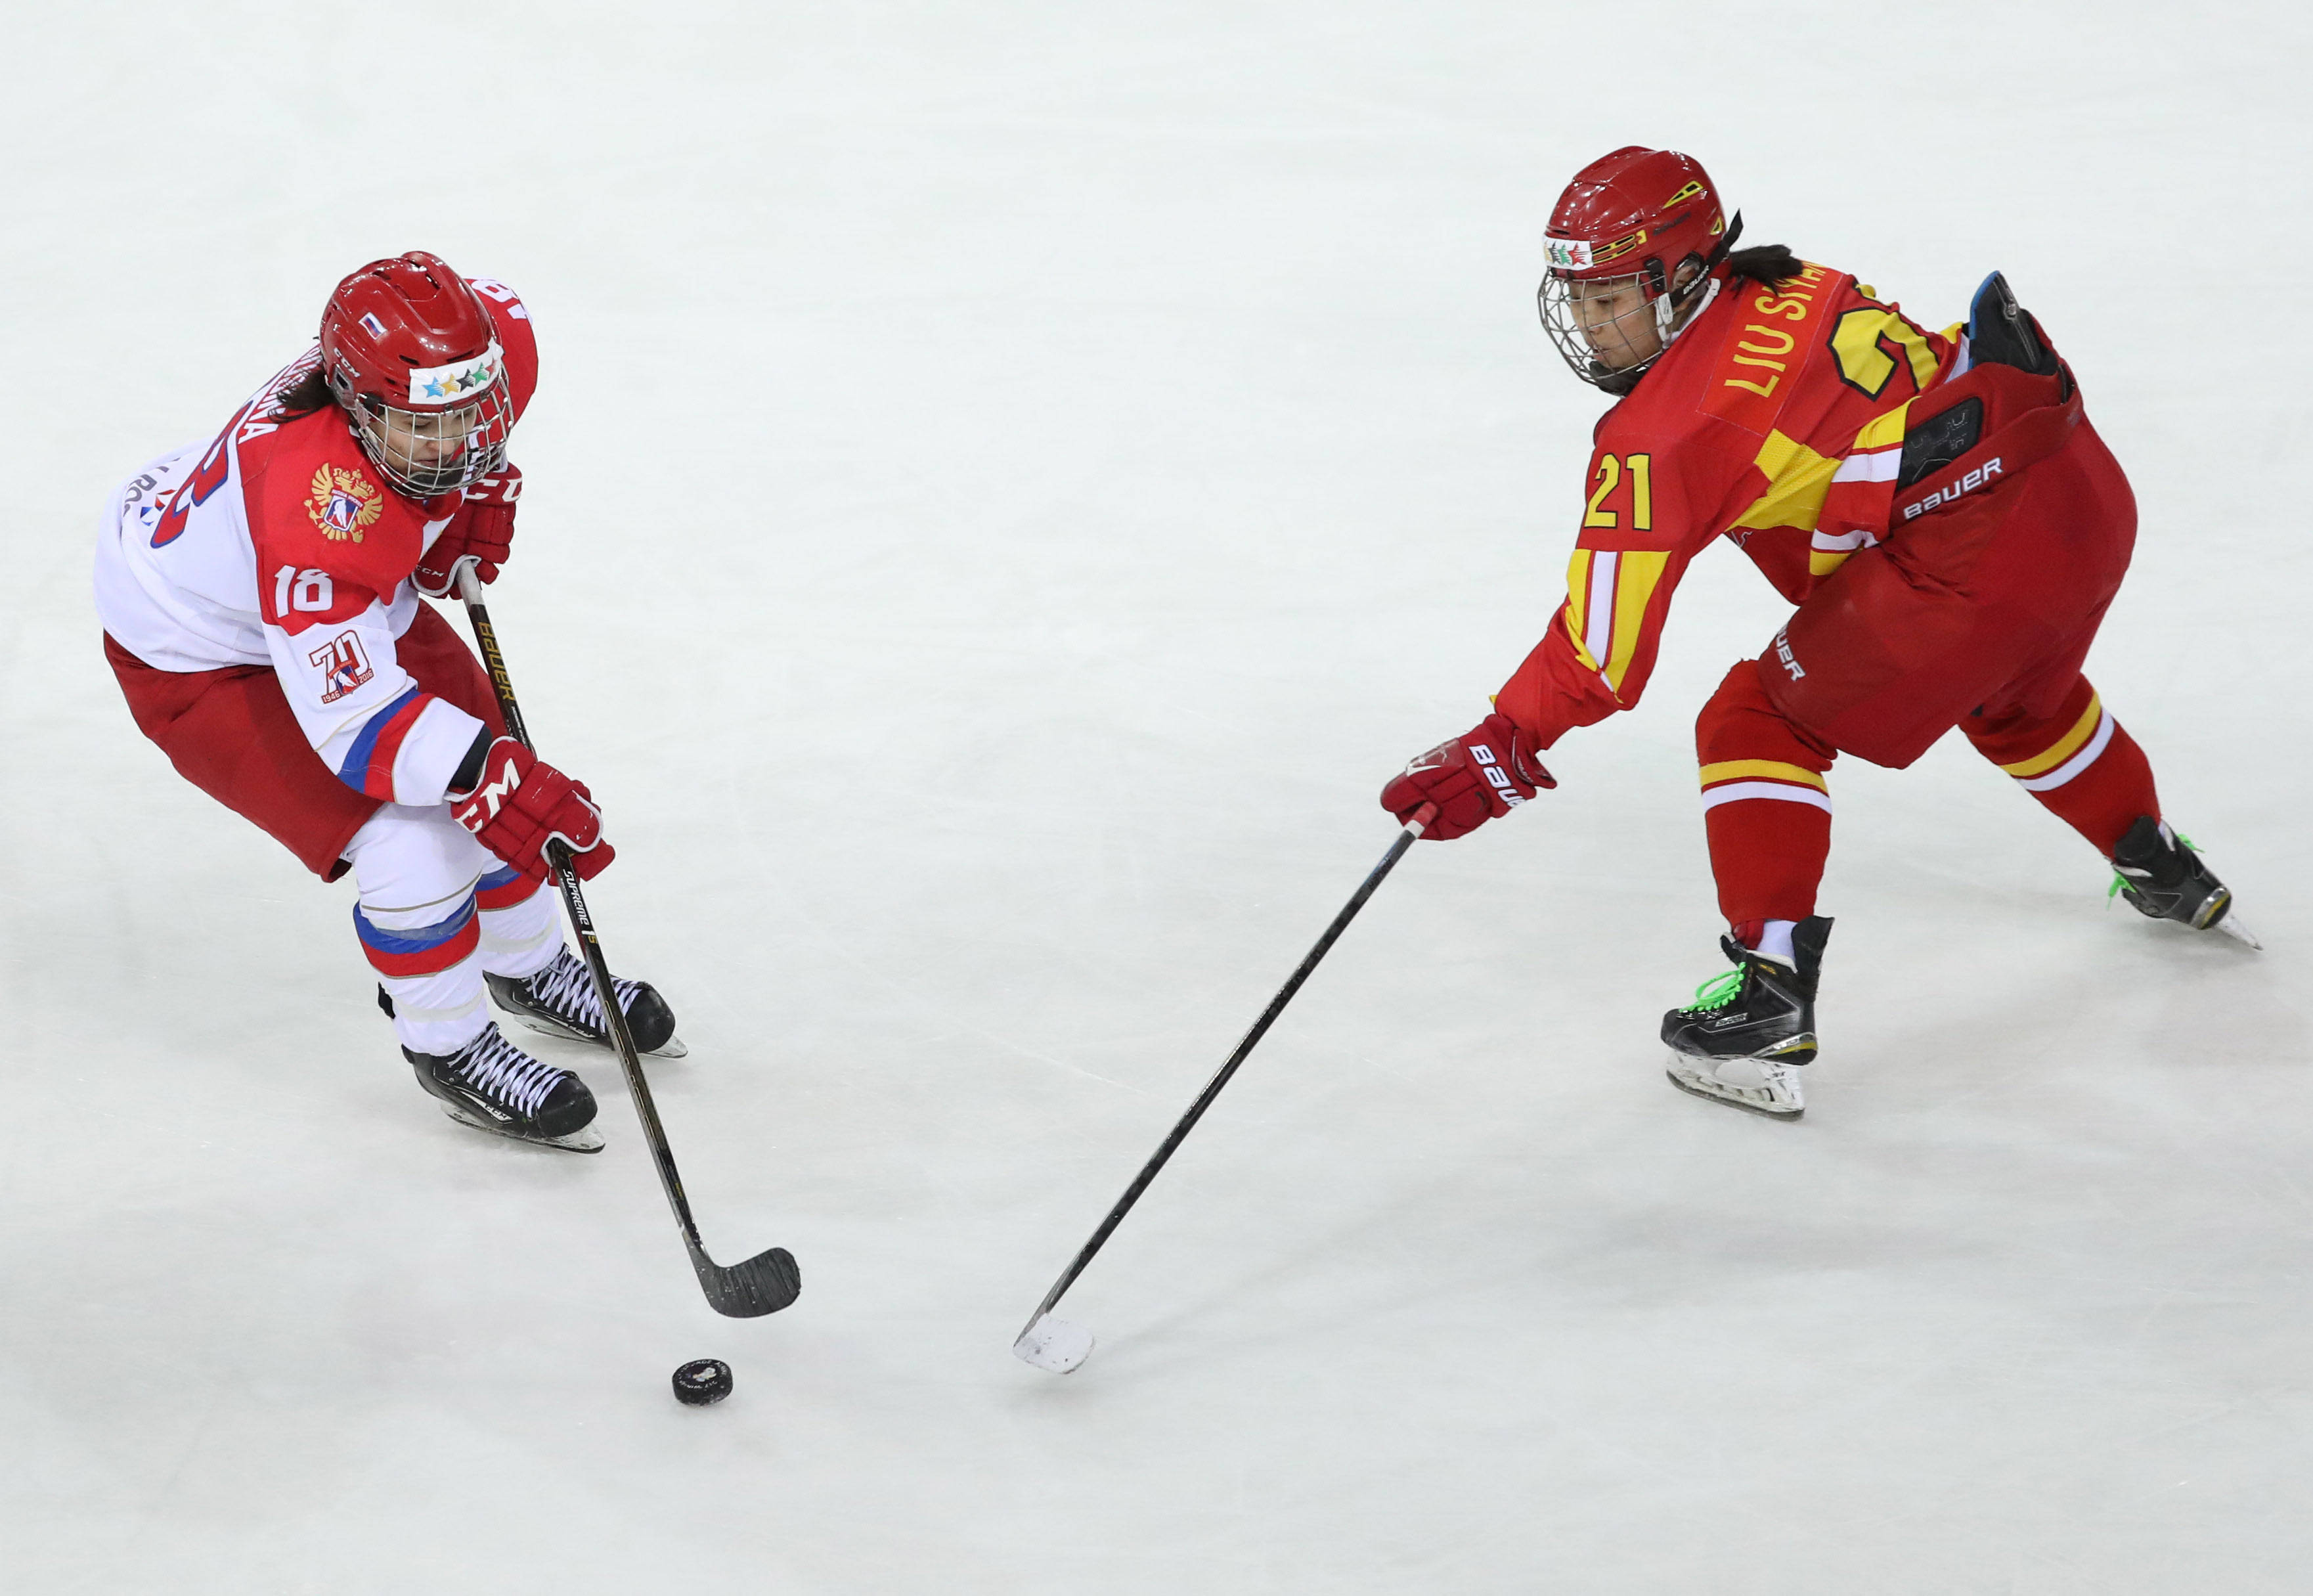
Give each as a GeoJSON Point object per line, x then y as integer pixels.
{"type": "Point", "coordinates": [494, 1086]}
{"type": "Point", "coordinates": [2162, 878]}
{"type": "Point", "coordinates": [559, 1000]}
{"type": "Point", "coordinates": [1751, 1028]}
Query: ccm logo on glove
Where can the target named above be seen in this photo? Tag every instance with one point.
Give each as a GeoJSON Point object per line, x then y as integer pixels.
{"type": "Point", "coordinates": [1485, 773]}
{"type": "Point", "coordinates": [520, 804]}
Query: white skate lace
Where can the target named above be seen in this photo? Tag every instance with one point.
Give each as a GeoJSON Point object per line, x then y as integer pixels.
{"type": "Point", "coordinates": [567, 987]}
{"type": "Point", "coordinates": [496, 1066]}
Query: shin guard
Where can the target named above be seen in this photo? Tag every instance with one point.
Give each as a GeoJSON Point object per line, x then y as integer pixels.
{"type": "Point", "coordinates": [2078, 763]}
{"type": "Point", "coordinates": [521, 927]}
{"type": "Point", "coordinates": [1766, 806]}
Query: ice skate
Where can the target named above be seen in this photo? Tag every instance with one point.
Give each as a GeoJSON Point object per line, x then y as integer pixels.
{"type": "Point", "coordinates": [492, 1085]}
{"type": "Point", "coordinates": [2160, 877]}
{"type": "Point", "coordinates": [1751, 1028]}
{"type": "Point", "coordinates": [559, 1000]}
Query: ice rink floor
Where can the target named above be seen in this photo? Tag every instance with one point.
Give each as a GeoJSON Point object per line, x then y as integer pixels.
{"type": "Point", "coordinates": [1010, 482]}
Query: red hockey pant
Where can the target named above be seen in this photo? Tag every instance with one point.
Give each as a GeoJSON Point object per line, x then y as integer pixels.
{"type": "Point", "coordinates": [1978, 617]}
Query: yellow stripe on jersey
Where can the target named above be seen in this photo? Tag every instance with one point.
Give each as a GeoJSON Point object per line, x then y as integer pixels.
{"type": "Point", "coordinates": [2063, 748]}
{"type": "Point", "coordinates": [1767, 769]}
{"type": "Point", "coordinates": [1638, 573]}
{"type": "Point", "coordinates": [1883, 430]}
{"type": "Point", "coordinates": [1577, 606]}
{"type": "Point", "coordinates": [1797, 480]}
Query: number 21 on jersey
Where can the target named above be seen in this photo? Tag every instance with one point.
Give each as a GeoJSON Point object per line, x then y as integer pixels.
{"type": "Point", "coordinates": [1624, 486]}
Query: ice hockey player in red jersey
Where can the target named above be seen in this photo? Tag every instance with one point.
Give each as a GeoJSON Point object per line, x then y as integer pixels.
{"type": "Point", "coordinates": [260, 595]}
{"type": "Point", "coordinates": [1936, 505]}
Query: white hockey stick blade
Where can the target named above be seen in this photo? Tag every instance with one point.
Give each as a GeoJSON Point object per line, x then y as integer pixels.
{"type": "Point", "coordinates": [2232, 927]}
{"type": "Point", "coordinates": [1053, 1344]}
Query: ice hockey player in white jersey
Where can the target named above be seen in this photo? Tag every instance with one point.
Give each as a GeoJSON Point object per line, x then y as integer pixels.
{"type": "Point", "coordinates": [259, 594]}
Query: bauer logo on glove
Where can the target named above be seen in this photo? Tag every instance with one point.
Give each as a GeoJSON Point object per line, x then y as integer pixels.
{"type": "Point", "coordinates": [1474, 778]}
{"type": "Point", "coordinates": [521, 803]}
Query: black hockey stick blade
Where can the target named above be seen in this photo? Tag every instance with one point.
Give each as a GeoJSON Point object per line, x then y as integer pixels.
{"type": "Point", "coordinates": [763, 1285]}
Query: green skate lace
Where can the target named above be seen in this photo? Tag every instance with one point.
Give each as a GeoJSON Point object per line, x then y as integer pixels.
{"type": "Point", "coordinates": [1719, 990]}
{"type": "Point", "coordinates": [2120, 883]}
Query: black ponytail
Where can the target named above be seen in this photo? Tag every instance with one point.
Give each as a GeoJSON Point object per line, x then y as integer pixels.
{"type": "Point", "coordinates": [307, 394]}
{"type": "Point", "coordinates": [1767, 264]}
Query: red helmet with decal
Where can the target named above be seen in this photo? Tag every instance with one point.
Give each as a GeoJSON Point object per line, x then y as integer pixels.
{"type": "Point", "coordinates": [1640, 232]}
{"type": "Point", "coordinates": [410, 350]}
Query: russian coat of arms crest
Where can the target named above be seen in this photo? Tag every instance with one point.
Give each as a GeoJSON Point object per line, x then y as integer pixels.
{"type": "Point", "coordinates": [344, 503]}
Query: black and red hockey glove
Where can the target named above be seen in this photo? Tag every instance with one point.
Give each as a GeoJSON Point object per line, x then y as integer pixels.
{"type": "Point", "coordinates": [1481, 775]}
{"type": "Point", "coordinates": [483, 531]}
{"type": "Point", "coordinates": [522, 803]}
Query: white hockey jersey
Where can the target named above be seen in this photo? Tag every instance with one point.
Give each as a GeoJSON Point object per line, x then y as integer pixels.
{"type": "Point", "coordinates": [275, 545]}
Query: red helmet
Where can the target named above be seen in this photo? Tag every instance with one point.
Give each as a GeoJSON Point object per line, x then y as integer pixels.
{"type": "Point", "coordinates": [1645, 219]}
{"type": "Point", "coordinates": [410, 350]}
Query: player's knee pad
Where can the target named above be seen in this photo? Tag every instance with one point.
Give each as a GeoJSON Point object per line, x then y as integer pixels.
{"type": "Point", "coordinates": [1741, 722]}
{"type": "Point", "coordinates": [414, 866]}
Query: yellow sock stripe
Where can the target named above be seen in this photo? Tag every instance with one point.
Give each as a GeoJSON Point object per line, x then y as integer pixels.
{"type": "Point", "coordinates": [1771, 770]}
{"type": "Point", "coordinates": [2092, 751]}
{"type": "Point", "coordinates": [1640, 570]}
{"type": "Point", "coordinates": [2063, 748]}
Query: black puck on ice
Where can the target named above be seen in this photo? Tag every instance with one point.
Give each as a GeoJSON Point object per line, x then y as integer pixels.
{"type": "Point", "coordinates": [701, 1381]}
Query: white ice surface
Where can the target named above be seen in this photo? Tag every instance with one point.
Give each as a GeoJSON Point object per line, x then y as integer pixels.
{"type": "Point", "coordinates": [1010, 481]}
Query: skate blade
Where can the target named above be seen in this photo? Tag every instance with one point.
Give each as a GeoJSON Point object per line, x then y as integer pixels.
{"type": "Point", "coordinates": [1780, 1098]}
{"type": "Point", "coordinates": [586, 1138]}
{"type": "Point", "coordinates": [671, 1047]}
{"type": "Point", "coordinates": [1053, 1344]}
{"type": "Point", "coordinates": [2232, 927]}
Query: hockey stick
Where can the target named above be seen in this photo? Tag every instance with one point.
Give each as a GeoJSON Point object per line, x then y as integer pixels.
{"type": "Point", "coordinates": [769, 1281]}
{"type": "Point", "coordinates": [1058, 1345]}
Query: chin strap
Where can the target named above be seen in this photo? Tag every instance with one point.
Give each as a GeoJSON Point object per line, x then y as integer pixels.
{"type": "Point", "coordinates": [1668, 321]}
{"type": "Point", "coordinates": [1725, 247]}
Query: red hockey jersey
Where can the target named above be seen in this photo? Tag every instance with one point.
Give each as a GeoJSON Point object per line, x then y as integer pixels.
{"type": "Point", "coordinates": [1775, 420]}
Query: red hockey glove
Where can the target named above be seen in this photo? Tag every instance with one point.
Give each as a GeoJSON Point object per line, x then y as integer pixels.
{"type": "Point", "coordinates": [1476, 777]}
{"type": "Point", "coordinates": [483, 531]}
{"type": "Point", "coordinates": [522, 803]}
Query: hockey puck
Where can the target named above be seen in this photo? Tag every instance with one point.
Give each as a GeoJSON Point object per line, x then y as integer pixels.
{"type": "Point", "coordinates": [701, 1381]}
